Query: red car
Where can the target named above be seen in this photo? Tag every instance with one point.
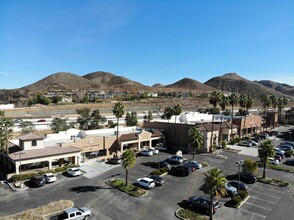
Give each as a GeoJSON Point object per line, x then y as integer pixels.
{"type": "Point", "coordinates": [41, 120]}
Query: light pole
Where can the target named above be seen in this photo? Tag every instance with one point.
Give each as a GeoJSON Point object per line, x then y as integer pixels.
{"type": "Point", "coordinates": [240, 163]}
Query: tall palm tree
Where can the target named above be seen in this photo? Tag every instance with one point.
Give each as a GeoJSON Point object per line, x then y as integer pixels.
{"type": "Point", "coordinates": [214, 100]}
{"type": "Point", "coordinates": [249, 102]}
{"type": "Point", "coordinates": [242, 104]}
{"type": "Point", "coordinates": [266, 103]}
{"type": "Point", "coordinates": [266, 150]}
{"type": "Point", "coordinates": [214, 185]}
{"type": "Point", "coordinates": [118, 111]}
{"type": "Point", "coordinates": [177, 110]}
{"type": "Point", "coordinates": [196, 139]}
{"type": "Point", "coordinates": [233, 100]}
{"type": "Point", "coordinates": [129, 160]}
{"type": "Point", "coordinates": [224, 102]}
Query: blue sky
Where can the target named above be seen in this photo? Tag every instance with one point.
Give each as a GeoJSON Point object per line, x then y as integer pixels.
{"type": "Point", "coordinates": [149, 41]}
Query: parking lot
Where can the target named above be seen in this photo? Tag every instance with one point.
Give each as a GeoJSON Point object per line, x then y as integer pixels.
{"type": "Point", "coordinates": [90, 190]}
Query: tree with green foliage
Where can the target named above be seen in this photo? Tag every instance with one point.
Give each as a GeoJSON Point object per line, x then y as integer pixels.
{"type": "Point", "coordinates": [176, 110]}
{"type": "Point", "coordinates": [266, 103]}
{"type": "Point", "coordinates": [129, 160]}
{"type": "Point", "coordinates": [214, 185]}
{"type": "Point", "coordinates": [214, 100]}
{"type": "Point", "coordinates": [148, 117]}
{"type": "Point", "coordinates": [196, 139]}
{"type": "Point", "coordinates": [266, 150]}
{"type": "Point", "coordinates": [59, 124]}
{"type": "Point", "coordinates": [5, 134]}
{"type": "Point", "coordinates": [118, 111]}
{"type": "Point", "coordinates": [233, 100]}
{"type": "Point", "coordinates": [131, 119]}
{"type": "Point", "coordinates": [111, 124]}
{"type": "Point", "coordinates": [26, 127]}
{"type": "Point", "coordinates": [89, 120]}
{"type": "Point", "coordinates": [224, 102]}
{"type": "Point", "coordinates": [167, 113]}
{"type": "Point", "coordinates": [249, 166]}
{"type": "Point", "coordinates": [84, 118]}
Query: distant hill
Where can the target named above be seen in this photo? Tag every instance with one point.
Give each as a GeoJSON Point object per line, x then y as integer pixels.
{"type": "Point", "coordinates": [62, 81]}
{"type": "Point", "coordinates": [232, 82]}
{"type": "Point", "coordinates": [108, 81]}
{"type": "Point", "coordinates": [188, 84]}
{"type": "Point", "coordinates": [280, 87]}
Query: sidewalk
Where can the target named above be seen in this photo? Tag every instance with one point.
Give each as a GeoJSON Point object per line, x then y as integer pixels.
{"type": "Point", "coordinates": [93, 168]}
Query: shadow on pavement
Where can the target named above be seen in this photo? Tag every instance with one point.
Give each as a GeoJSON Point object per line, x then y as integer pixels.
{"type": "Point", "coordinates": [80, 189]}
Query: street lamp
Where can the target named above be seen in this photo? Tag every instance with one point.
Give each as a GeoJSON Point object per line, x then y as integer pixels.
{"type": "Point", "coordinates": [240, 163]}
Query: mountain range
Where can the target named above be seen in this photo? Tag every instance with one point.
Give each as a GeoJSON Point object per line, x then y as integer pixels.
{"type": "Point", "coordinates": [104, 81]}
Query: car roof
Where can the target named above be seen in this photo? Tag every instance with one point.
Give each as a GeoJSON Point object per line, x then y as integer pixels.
{"type": "Point", "coordinates": [147, 179]}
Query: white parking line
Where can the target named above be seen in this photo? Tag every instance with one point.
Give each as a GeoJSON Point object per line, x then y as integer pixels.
{"type": "Point", "coordinates": [264, 200]}
{"type": "Point", "coordinates": [255, 205]}
{"type": "Point", "coordinates": [253, 213]}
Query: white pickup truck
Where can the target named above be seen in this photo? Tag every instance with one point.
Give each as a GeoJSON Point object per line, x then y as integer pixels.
{"type": "Point", "coordinates": [75, 213]}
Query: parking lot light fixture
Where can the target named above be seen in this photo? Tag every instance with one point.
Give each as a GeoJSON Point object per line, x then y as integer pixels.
{"type": "Point", "coordinates": [240, 163]}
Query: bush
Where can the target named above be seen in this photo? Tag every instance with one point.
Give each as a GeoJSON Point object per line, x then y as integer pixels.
{"type": "Point", "coordinates": [22, 177]}
{"type": "Point", "coordinates": [243, 194]}
{"type": "Point", "coordinates": [163, 170]}
{"type": "Point", "coordinates": [205, 164]}
{"type": "Point", "coordinates": [289, 153]}
{"type": "Point", "coordinates": [236, 200]}
{"type": "Point", "coordinates": [155, 172]}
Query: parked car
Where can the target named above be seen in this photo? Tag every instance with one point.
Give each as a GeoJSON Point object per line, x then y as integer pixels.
{"type": "Point", "coordinates": [245, 144]}
{"type": "Point", "coordinates": [288, 143]}
{"type": "Point", "coordinates": [202, 203]}
{"type": "Point", "coordinates": [255, 139]}
{"type": "Point", "coordinates": [193, 163]}
{"type": "Point", "coordinates": [278, 157]}
{"type": "Point", "coordinates": [231, 190]}
{"type": "Point", "coordinates": [74, 171]}
{"type": "Point", "coordinates": [285, 147]}
{"type": "Point", "coordinates": [41, 120]}
{"type": "Point", "coordinates": [252, 142]}
{"type": "Point", "coordinates": [175, 159]}
{"type": "Point", "coordinates": [278, 150]}
{"type": "Point", "coordinates": [289, 162]}
{"type": "Point", "coordinates": [247, 177]}
{"type": "Point", "coordinates": [114, 160]}
{"type": "Point", "coordinates": [154, 150]}
{"type": "Point", "coordinates": [146, 153]}
{"type": "Point", "coordinates": [157, 179]}
{"type": "Point", "coordinates": [280, 154]}
{"type": "Point", "coordinates": [38, 181]}
{"type": "Point", "coordinates": [181, 170]}
{"type": "Point", "coordinates": [75, 213]}
{"type": "Point", "coordinates": [146, 182]}
{"type": "Point", "coordinates": [49, 177]}
{"type": "Point", "coordinates": [236, 183]}
{"type": "Point", "coordinates": [163, 163]}
{"type": "Point", "coordinates": [273, 161]}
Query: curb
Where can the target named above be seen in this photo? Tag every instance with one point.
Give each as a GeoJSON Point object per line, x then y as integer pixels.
{"type": "Point", "coordinates": [143, 195]}
{"type": "Point", "coordinates": [177, 215]}
{"type": "Point", "coordinates": [15, 188]}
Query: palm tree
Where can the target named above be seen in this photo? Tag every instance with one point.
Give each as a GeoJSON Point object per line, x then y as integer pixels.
{"type": "Point", "coordinates": [118, 111]}
{"type": "Point", "coordinates": [177, 109]}
{"type": "Point", "coordinates": [233, 100]}
{"type": "Point", "coordinates": [214, 100]}
{"type": "Point", "coordinates": [249, 102]}
{"type": "Point", "coordinates": [266, 102]}
{"type": "Point", "coordinates": [129, 160]}
{"type": "Point", "coordinates": [214, 185]}
{"type": "Point", "coordinates": [266, 150]}
{"type": "Point", "coordinates": [196, 139]}
{"type": "Point", "coordinates": [224, 102]}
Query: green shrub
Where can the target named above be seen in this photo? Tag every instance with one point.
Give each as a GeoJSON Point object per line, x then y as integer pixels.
{"type": "Point", "coordinates": [163, 170]}
{"type": "Point", "coordinates": [236, 200]}
{"type": "Point", "coordinates": [289, 153]}
{"type": "Point", "coordinates": [155, 172]}
{"type": "Point", "coordinates": [205, 164]}
{"type": "Point", "coordinates": [243, 194]}
{"type": "Point", "coordinates": [22, 177]}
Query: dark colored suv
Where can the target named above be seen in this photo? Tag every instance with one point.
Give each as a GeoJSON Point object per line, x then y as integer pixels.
{"type": "Point", "coordinates": [181, 170]}
{"type": "Point", "coordinates": [202, 203]}
{"type": "Point", "coordinates": [247, 177]}
{"type": "Point", "coordinates": [38, 181]}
